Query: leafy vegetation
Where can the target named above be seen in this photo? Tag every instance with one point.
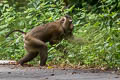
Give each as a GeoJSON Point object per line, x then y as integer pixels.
{"type": "Point", "coordinates": [97, 30]}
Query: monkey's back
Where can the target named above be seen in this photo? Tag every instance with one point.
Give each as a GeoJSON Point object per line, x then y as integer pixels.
{"type": "Point", "coordinates": [45, 32]}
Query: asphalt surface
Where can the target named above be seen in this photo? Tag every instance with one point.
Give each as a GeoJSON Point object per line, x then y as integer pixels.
{"type": "Point", "coordinates": [35, 73]}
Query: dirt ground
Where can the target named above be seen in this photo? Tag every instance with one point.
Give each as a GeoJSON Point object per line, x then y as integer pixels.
{"type": "Point", "coordinates": [10, 72]}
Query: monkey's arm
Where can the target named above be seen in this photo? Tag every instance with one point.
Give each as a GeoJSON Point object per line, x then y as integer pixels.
{"type": "Point", "coordinates": [56, 38]}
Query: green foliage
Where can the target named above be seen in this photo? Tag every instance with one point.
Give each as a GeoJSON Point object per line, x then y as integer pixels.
{"type": "Point", "coordinates": [102, 33]}
{"type": "Point", "coordinates": [97, 35]}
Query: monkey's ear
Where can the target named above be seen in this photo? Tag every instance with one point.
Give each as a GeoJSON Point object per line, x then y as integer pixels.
{"type": "Point", "coordinates": [62, 20]}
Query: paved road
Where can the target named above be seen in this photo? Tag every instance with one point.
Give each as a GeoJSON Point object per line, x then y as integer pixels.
{"type": "Point", "coordinates": [34, 73]}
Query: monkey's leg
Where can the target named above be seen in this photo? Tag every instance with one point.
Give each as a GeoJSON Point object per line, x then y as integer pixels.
{"type": "Point", "coordinates": [27, 58]}
{"type": "Point", "coordinates": [42, 47]}
{"type": "Point", "coordinates": [43, 56]}
{"type": "Point", "coordinates": [37, 45]}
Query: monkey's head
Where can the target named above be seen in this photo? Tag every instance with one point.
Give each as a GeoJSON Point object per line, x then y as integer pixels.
{"type": "Point", "coordinates": [67, 25]}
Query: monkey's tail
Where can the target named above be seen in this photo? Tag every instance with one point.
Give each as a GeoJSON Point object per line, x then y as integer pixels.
{"type": "Point", "coordinates": [15, 31]}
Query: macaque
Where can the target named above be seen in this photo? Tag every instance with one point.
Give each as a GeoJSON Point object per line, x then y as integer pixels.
{"type": "Point", "coordinates": [35, 40]}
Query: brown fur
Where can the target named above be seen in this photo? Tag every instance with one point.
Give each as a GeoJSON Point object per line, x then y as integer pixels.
{"type": "Point", "coordinates": [34, 41]}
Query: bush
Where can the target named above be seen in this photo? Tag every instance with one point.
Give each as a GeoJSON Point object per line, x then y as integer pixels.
{"type": "Point", "coordinates": [97, 32]}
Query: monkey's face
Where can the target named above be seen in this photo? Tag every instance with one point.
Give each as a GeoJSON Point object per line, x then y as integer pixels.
{"type": "Point", "coordinates": [67, 25]}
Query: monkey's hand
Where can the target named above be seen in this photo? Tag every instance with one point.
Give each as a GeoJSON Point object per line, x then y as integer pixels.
{"type": "Point", "coordinates": [54, 42]}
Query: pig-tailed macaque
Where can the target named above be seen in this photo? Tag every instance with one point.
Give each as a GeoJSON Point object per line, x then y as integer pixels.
{"type": "Point", "coordinates": [35, 40]}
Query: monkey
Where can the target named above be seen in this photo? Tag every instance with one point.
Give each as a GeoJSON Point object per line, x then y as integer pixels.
{"type": "Point", "coordinates": [35, 40]}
